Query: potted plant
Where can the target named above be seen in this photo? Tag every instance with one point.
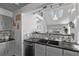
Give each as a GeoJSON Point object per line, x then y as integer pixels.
{"type": "Point", "coordinates": [65, 30]}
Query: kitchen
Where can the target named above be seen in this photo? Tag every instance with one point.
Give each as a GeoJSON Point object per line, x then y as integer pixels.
{"type": "Point", "coordinates": [51, 30]}
{"type": "Point", "coordinates": [39, 29]}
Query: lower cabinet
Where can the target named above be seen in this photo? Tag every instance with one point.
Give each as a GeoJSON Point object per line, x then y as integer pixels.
{"type": "Point", "coordinates": [7, 48]}
{"type": "Point", "coordinates": [39, 50]}
{"type": "Point", "coordinates": [2, 49]}
{"type": "Point", "coordinates": [69, 53]}
{"type": "Point", "coordinates": [43, 50]}
{"type": "Point", "coordinates": [51, 51]}
{"type": "Point", "coordinates": [11, 48]}
{"type": "Point", "coordinates": [77, 54]}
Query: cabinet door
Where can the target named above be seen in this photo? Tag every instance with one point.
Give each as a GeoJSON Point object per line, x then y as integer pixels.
{"type": "Point", "coordinates": [69, 53]}
{"type": "Point", "coordinates": [2, 49]}
{"type": "Point", "coordinates": [51, 51]}
{"type": "Point", "coordinates": [11, 48]}
{"type": "Point", "coordinates": [77, 54]}
{"type": "Point", "coordinates": [39, 50]}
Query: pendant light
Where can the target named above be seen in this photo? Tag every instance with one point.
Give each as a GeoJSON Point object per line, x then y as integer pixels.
{"type": "Point", "coordinates": [55, 18]}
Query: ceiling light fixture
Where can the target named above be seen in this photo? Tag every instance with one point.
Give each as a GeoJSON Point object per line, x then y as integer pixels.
{"type": "Point", "coordinates": [55, 18]}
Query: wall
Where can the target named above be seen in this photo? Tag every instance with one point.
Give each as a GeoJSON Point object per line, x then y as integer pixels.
{"type": "Point", "coordinates": [29, 23]}
{"type": "Point", "coordinates": [77, 24]}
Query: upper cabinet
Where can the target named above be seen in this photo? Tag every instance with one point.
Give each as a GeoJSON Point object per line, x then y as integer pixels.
{"type": "Point", "coordinates": [5, 22]}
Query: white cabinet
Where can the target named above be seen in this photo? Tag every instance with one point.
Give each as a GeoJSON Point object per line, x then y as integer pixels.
{"type": "Point", "coordinates": [43, 50]}
{"type": "Point", "coordinates": [11, 48]}
{"type": "Point", "coordinates": [7, 48]}
{"type": "Point", "coordinates": [2, 49]}
{"type": "Point", "coordinates": [39, 50]}
{"type": "Point", "coordinates": [77, 54]}
{"type": "Point", "coordinates": [51, 51]}
{"type": "Point", "coordinates": [69, 53]}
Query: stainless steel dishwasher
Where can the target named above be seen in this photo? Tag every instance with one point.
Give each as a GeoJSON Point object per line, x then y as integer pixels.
{"type": "Point", "coordinates": [28, 49]}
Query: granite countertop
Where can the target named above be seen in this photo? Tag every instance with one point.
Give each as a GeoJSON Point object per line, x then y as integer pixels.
{"type": "Point", "coordinates": [10, 39]}
{"type": "Point", "coordinates": [54, 34]}
{"type": "Point", "coordinates": [62, 45]}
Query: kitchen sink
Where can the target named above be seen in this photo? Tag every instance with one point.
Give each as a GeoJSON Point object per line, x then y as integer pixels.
{"type": "Point", "coordinates": [43, 41]}
{"type": "Point", "coordinates": [53, 42]}
{"type": "Point", "coordinates": [49, 42]}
